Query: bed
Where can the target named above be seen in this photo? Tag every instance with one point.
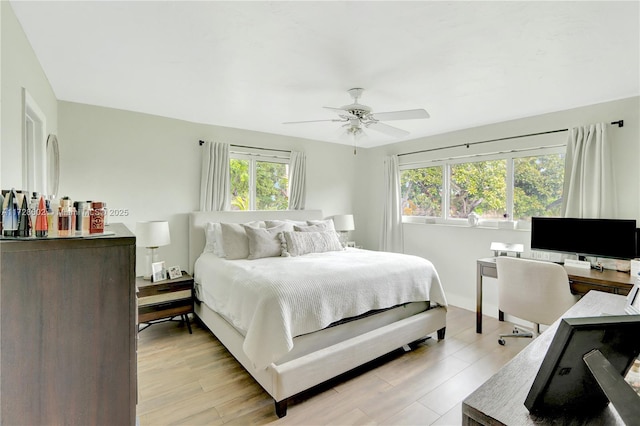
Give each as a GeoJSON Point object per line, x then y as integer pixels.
{"type": "Point", "coordinates": [271, 319]}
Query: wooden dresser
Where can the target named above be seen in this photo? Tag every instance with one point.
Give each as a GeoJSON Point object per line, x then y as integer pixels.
{"type": "Point", "coordinates": [68, 332]}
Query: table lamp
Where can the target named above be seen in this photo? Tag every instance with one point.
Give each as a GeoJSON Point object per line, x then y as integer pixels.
{"type": "Point", "coordinates": [152, 234]}
{"type": "Point", "coordinates": [343, 224]}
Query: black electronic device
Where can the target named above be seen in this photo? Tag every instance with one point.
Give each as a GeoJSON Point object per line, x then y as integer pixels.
{"type": "Point", "coordinates": [566, 384]}
{"type": "Point", "coordinates": [611, 238]}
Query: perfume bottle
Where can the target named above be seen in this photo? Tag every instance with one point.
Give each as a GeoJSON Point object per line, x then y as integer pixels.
{"type": "Point", "coordinates": [82, 216]}
{"type": "Point", "coordinates": [10, 214]}
{"type": "Point", "coordinates": [66, 218]}
{"type": "Point", "coordinates": [24, 219]}
{"type": "Point", "coordinates": [33, 208]}
{"type": "Point", "coordinates": [41, 224]}
{"type": "Point", "coordinates": [52, 216]}
{"type": "Point", "coordinates": [97, 214]}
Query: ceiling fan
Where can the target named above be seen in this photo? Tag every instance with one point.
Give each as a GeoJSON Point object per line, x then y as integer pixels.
{"type": "Point", "coordinates": [358, 117]}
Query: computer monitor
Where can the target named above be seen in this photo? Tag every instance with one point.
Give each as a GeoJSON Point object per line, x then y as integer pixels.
{"type": "Point", "coordinates": [612, 238]}
{"type": "Point", "coordinates": [564, 382]}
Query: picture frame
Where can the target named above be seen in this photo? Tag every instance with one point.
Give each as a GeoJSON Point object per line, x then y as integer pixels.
{"type": "Point", "coordinates": [175, 272]}
{"type": "Point", "coordinates": [158, 272]}
{"type": "Point", "coordinates": [632, 306]}
{"type": "Point", "coordinates": [351, 244]}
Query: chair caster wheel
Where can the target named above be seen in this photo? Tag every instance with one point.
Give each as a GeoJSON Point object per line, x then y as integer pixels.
{"type": "Point", "coordinates": [501, 341]}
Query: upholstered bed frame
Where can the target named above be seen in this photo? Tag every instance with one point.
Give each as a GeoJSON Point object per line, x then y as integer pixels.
{"type": "Point", "coordinates": [293, 376]}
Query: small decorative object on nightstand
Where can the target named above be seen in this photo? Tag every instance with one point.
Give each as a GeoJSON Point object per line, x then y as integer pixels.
{"type": "Point", "coordinates": [165, 300]}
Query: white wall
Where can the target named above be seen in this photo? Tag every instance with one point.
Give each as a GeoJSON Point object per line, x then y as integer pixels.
{"type": "Point", "coordinates": [19, 68]}
{"type": "Point", "coordinates": [454, 249]}
{"type": "Point", "coordinates": [148, 167]}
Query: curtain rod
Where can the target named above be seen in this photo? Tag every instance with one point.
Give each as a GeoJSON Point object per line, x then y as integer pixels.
{"type": "Point", "coordinates": [201, 142]}
{"type": "Point", "coordinates": [619, 123]}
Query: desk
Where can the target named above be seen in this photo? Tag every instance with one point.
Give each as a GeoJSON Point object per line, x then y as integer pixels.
{"type": "Point", "coordinates": [500, 400]}
{"type": "Point", "coordinates": [580, 281]}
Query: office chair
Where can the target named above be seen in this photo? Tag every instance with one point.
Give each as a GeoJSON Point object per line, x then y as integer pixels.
{"type": "Point", "coordinates": [532, 290]}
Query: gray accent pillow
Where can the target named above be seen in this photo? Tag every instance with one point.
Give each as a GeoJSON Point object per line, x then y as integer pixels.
{"type": "Point", "coordinates": [328, 223]}
{"type": "Point", "coordinates": [234, 239]}
{"type": "Point", "coordinates": [265, 242]}
{"type": "Point", "coordinates": [311, 228]}
{"type": "Point", "coordinates": [299, 243]}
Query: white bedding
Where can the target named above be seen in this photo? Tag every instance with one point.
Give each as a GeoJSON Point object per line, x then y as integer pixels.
{"type": "Point", "coordinates": [272, 300]}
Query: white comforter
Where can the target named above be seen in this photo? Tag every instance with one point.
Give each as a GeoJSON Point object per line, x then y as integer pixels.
{"type": "Point", "coordinates": [274, 299]}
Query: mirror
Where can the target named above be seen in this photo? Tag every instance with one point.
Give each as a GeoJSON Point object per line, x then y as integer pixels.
{"type": "Point", "coordinates": [53, 166]}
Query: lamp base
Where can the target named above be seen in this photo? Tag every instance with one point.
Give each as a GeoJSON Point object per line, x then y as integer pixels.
{"type": "Point", "coordinates": [343, 236]}
{"type": "Point", "coordinates": [150, 257]}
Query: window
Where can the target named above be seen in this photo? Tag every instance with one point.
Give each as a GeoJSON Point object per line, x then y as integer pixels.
{"type": "Point", "coordinates": [422, 191]}
{"type": "Point", "coordinates": [258, 183]}
{"type": "Point", "coordinates": [480, 187]}
{"type": "Point", "coordinates": [516, 184]}
{"type": "Point", "coordinates": [538, 183]}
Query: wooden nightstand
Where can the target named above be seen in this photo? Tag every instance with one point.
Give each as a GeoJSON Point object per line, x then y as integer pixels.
{"type": "Point", "coordinates": [164, 300]}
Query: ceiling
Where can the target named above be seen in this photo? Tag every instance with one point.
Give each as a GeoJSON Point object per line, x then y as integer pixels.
{"type": "Point", "coordinates": [255, 65]}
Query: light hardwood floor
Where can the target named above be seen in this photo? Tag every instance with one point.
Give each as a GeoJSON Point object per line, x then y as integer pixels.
{"type": "Point", "coordinates": [188, 379]}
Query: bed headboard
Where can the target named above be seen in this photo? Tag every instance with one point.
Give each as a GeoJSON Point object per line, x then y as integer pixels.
{"type": "Point", "coordinates": [197, 221]}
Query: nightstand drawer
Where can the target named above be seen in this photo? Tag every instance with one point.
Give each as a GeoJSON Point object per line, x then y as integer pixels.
{"type": "Point", "coordinates": [166, 297]}
{"type": "Point", "coordinates": [163, 288]}
{"type": "Point", "coordinates": [164, 310]}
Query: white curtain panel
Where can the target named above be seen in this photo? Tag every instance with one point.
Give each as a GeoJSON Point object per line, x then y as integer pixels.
{"type": "Point", "coordinates": [214, 181]}
{"type": "Point", "coordinates": [589, 187]}
{"type": "Point", "coordinates": [391, 238]}
{"type": "Point", "coordinates": [297, 181]}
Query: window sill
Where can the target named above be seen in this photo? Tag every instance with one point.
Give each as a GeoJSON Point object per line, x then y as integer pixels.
{"type": "Point", "coordinates": [461, 223]}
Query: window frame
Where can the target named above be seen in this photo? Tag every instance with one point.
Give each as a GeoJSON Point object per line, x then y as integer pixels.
{"type": "Point", "coordinates": [253, 158]}
{"type": "Point", "coordinates": [34, 145]}
{"type": "Point", "coordinates": [446, 164]}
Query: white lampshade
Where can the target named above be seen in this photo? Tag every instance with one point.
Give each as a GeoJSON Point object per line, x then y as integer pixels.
{"type": "Point", "coordinates": [344, 222]}
{"type": "Point", "coordinates": [153, 234]}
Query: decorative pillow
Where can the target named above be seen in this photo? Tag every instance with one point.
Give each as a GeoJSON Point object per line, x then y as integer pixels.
{"type": "Point", "coordinates": [209, 238]}
{"type": "Point", "coordinates": [311, 228]}
{"type": "Point", "coordinates": [326, 222]}
{"type": "Point", "coordinates": [265, 242]}
{"type": "Point", "coordinates": [299, 243]}
{"type": "Point", "coordinates": [272, 223]}
{"type": "Point", "coordinates": [234, 239]}
{"type": "Point", "coordinates": [213, 238]}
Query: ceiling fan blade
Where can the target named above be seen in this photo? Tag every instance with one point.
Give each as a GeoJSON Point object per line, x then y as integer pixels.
{"type": "Point", "coordinates": [388, 130]}
{"type": "Point", "coordinates": [409, 114]}
{"type": "Point", "coordinates": [314, 121]}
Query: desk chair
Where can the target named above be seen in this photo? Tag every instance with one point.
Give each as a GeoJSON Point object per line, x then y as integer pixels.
{"type": "Point", "coordinates": [532, 290]}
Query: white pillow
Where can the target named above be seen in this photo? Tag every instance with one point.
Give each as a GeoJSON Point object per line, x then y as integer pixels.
{"type": "Point", "coordinates": [213, 238]}
{"type": "Point", "coordinates": [234, 239]}
{"type": "Point", "coordinates": [299, 243]}
{"type": "Point", "coordinates": [326, 222]}
{"type": "Point", "coordinates": [272, 223]}
{"type": "Point", "coordinates": [265, 242]}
